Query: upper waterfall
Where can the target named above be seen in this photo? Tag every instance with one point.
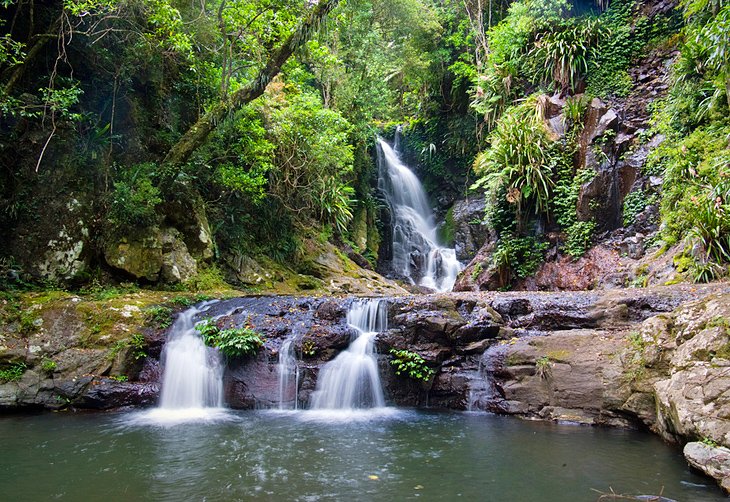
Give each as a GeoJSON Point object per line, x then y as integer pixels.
{"type": "Point", "coordinates": [417, 254]}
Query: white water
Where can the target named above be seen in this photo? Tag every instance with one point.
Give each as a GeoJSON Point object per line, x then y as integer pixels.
{"type": "Point", "coordinates": [351, 380]}
{"type": "Point", "coordinates": [288, 375]}
{"type": "Point", "coordinates": [192, 385]}
{"type": "Point", "coordinates": [417, 254]}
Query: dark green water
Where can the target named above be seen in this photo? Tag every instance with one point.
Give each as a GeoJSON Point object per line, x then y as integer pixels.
{"type": "Point", "coordinates": [400, 455]}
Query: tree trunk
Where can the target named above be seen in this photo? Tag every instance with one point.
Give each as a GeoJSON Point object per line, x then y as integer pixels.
{"type": "Point", "coordinates": [198, 133]}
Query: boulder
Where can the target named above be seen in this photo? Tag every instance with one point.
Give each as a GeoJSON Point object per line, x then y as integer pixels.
{"type": "Point", "coordinates": [471, 230]}
{"type": "Point", "coordinates": [712, 460]}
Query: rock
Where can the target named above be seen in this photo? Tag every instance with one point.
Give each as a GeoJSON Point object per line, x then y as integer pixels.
{"type": "Point", "coordinates": [712, 460]}
{"type": "Point", "coordinates": [480, 274]}
{"type": "Point", "coordinates": [470, 229]}
{"type": "Point", "coordinates": [177, 264]}
{"type": "Point", "coordinates": [106, 393]}
{"type": "Point", "coordinates": [138, 255]}
{"type": "Point", "coordinates": [330, 311]}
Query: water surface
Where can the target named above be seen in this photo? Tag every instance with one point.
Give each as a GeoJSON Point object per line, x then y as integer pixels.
{"type": "Point", "coordinates": [383, 455]}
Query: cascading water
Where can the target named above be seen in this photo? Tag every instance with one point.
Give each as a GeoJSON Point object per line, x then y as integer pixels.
{"type": "Point", "coordinates": [288, 375]}
{"type": "Point", "coordinates": [192, 371]}
{"type": "Point", "coordinates": [351, 380]}
{"type": "Point", "coordinates": [192, 385]}
{"type": "Point", "coordinates": [417, 254]}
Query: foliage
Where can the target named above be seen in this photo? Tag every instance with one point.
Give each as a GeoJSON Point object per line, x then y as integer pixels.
{"type": "Point", "coordinates": [309, 348]}
{"type": "Point", "coordinates": [138, 344]}
{"type": "Point", "coordinates": [208, 278]}
{"type": "Point", "coordinates": [410, 364]}
{"type": "Point", "coordinates": [563, 55]}
{"type": "Point", "coordinates": [517, 160]}
{"type": "Point", "coordinates": [634, 203]}
{"type": "Point", "coordinates": [232, 342]}
{"type": "Point", "coordinates": [133, 203]}
{"type": "Point", "coordinates": [119, 378]}
{"type": "Point", "coordinates": [519, 256]}
{"type": "Point", "coordinates": [543, 367]}
{"type": "Point", "coordinates": [12, 372]}
{"type": "Point", "coordinates": [48, 365]}
{"type": "Point", "coordinates": [580, 237]}
{"type": "Point", "coordinates": [159, 316]}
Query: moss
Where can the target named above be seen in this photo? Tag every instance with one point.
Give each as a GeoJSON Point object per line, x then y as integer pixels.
{"type": "Point", "coordinates": [447, 231]}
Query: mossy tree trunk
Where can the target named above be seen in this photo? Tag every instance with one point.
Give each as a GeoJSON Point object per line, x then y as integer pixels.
{"type": "Point", "coordinates": [198, 133]}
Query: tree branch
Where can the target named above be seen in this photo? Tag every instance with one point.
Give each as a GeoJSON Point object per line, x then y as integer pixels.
{"type": "Point", "coordinates": [198, 133]}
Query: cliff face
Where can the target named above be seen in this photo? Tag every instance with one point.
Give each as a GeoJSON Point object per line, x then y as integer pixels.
{"type": "Point", "coordinates": [613, 146]}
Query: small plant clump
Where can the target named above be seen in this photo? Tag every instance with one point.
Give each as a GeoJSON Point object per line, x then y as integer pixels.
{"type": "Point", "coordinates": [48, 365]}
{"type": "Point", "coordinates": [12, 372]}
{"type": "Point", "coordinates": [543, 366]}
{"type": "Point", "coordinates": [138, 344]}
{"type": "Point", "coordinates": [309, 348]}
{"type": "Point", "coordinates": [232, 342]}
{"type": "Point", "coordinates": [160, 316]}
{"type": "Point", "coordinates": [411, 365]}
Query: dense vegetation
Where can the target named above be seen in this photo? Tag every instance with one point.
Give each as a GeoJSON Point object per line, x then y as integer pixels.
{"type": "Point", "coordinates": [258, 118]}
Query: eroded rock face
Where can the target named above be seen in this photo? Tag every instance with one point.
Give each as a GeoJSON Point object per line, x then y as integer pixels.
{"type": "Point", "coordinates": [712, 460]}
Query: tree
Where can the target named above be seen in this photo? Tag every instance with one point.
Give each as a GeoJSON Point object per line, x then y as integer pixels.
{"type": "Point", "coordinates": [198, 132]}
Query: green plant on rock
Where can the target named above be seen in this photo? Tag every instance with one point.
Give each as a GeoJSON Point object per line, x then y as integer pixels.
{"type": "Point", "coordinates": [709, 442]}
{"type": "Point", "coordinates": [138, 344]}
{"type": "Point", "coordinates": [543, 367]}
{"type": "Point", "coordinates": [635, 202]}
{"type": "Point", "coordinates": [232, 342]}
{"type": "Point", "coordinates": [309, 348]}
{"type": "Point", "coordinates": [518, 162]}
{"type": "Point", "coordinates": [159, 316]}
{"type": "Point", "coordinates": [580, 237]}
{"type": "Point", "coordinates": [12, 372]}
{"type": "Point", "coordinates": [48, 365]}
{"type": "Point", "coordinates": [120, 378]}
{"type": "Point", "coordinates": [517, 256]}
{"type": "Point", "coordinates": [410, 364]}
{"type": "Point", "coordinates": [133, 202]}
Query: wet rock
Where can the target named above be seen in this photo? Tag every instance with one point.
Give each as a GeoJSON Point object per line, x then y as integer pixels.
{"type": "Point", "coordinates": [251, 384]}
{"type": "Point", "coordinates": [106, 393]}
{"type": "Point", "coordinates": [712, 460]}
{"type": "Point", "coordinates": [331, 311]}
{"type": "Point", "coordinates": [470, 229]}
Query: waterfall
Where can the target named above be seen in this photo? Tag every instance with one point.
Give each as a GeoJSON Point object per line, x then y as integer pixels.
{"type": "Point", "coordinates": [192, 371]}
{"type": "Point", "coordinates": [417, 254]}
{"type": "Point", "coordinates": [192, 378]}
{"type": "Point", "coordinates": [287, 368]}
{"type": "Point", "coordinates": [351, 380]}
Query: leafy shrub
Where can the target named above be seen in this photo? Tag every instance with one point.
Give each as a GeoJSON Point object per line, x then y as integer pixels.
{"type": "Point", "coordinates": [580, 238]}
{"type": "Point", "coordinates": [634, 203]}
{"type": "Point", "coordinates": [518, 256]}
{"type": "Point", "coordinates": [410, 364]}
{"type": "Point", "coordinates": [138, 344]}
{"type": "Point", "coordinates": [563, 53]}
{"type": "Point", "coordinates": [208, 278]}
{"type": "Point", "coordinates": [543, 367]}
{"type": "Point", "coordinates": [518, 160]}
{"type": "Point", "coordinates": [232, 342]}
{"type": "Point", "coordinates": [133, 203]}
